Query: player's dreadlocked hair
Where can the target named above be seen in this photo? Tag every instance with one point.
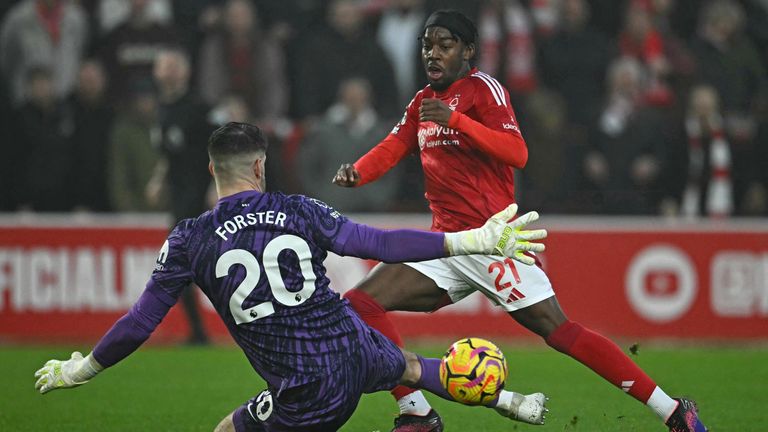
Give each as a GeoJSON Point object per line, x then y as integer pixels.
{"type": "Point", "coordinates": [230, 146]}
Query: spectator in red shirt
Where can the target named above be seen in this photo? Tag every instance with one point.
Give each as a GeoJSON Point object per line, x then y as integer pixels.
{"type": "Point", "coordinates": [643, 42]}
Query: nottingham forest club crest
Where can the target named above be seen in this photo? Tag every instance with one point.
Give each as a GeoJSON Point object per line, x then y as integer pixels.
{"type": "Point", "coordinates": [454, 102]}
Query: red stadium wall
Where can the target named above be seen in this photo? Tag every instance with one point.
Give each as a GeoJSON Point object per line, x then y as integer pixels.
{"type": "Point", "coordinates": [640, 278]}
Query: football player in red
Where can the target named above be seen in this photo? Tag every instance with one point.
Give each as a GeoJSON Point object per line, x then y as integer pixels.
{"type": "Point", "coordinates": [463, 126]}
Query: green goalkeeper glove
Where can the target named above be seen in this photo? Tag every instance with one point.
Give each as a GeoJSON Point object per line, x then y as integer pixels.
{"type": "Point", "coordinates": [499, 237]}
{"type": "Point", "coordinates": [58, 374]}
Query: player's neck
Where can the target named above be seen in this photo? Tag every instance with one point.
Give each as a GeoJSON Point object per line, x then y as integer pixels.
{"type": "Point", "coordinates": [463, 74]}
{"type": "Point", "coordinates": [465, 71]}
{"type": "Point", "coordinates": [225, 190]}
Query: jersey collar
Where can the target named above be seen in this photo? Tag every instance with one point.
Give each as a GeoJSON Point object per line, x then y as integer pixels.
{"type": "Point", "coordinates": [238, 196]}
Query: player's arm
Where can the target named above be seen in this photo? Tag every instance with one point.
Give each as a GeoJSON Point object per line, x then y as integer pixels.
{"type": "Point", "coordinates": [389, 152]}
{"type": "Point", "coordinates": [170, 277]}
{"type": "Point", "coordinates": [497, 237]}
{"type": "Point", "coordinates": [125, 336]}
{"type": "Point", "coordinates": [373, 164]}
{"type": "Point", "coordinates": [506, 145]}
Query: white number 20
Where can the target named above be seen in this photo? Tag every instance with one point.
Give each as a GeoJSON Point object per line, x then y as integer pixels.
{"type": "Point", "coordinates": [272, 268]}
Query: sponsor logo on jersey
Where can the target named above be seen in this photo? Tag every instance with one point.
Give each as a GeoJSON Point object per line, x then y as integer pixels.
{"type": "Point", "coordinates": [436, 135]}
{"type": "Point", "coordinates": [510, 126]}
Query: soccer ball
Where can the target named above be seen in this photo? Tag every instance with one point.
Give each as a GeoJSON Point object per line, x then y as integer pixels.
{"type": "Point", "coordinates": [473, 371]}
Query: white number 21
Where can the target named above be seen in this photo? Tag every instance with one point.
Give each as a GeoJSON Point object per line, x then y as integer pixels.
{"type": "Point", "coordinates": [272, 268]}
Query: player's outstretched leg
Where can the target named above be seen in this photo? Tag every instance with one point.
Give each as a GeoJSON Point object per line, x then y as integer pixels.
{"type": "Point", "coordinates": [525, 408]}
{"type": "Point", "coordinates": [530, 408]}
{"type": "Point", "coordinates": [602, 356]}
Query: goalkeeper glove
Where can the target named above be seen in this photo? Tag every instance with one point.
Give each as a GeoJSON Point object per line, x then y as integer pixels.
{"type": "Point", "coordinates": [499, 237]}
{"type": "Point", "coordinates": [58, 374]}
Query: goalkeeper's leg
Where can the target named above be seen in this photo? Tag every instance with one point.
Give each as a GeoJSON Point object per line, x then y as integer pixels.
{"type": "Point", "coordinates": [396, 287]}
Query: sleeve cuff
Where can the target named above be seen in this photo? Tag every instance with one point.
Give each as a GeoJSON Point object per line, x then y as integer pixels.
{"type": "Point", "coordinates": [361, 172]}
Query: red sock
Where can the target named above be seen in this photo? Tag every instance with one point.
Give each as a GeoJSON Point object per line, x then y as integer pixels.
{"type": "Point", "coordinates": [376, 316]}
{"type": "Point", "coordinates": [602, 356]}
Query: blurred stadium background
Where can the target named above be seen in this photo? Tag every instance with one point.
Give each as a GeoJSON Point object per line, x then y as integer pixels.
{"type": "Point", "coordinates": [646, 122]}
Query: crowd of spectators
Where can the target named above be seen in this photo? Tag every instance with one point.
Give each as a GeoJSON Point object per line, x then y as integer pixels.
{"type": "Point", "coordinates": [628, 107]}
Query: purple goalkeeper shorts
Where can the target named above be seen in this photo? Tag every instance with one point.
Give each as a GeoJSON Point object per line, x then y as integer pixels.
{"type": "Point", "coordinates": [325, 402]}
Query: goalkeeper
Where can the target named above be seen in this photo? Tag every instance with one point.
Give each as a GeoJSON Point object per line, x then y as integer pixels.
{"type": "Point", "coordinates": [258, 256]}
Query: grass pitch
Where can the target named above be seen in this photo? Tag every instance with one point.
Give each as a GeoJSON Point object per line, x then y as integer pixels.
{"type": "Point", "coordinates": [191, 389]}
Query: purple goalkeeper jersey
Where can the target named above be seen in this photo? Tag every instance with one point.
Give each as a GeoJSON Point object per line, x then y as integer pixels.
{"type": "Point", "coordinates": [259, 258]}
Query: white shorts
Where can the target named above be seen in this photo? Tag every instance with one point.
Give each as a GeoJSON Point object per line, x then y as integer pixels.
{"type": "Point", "coordinates": [508, 283]}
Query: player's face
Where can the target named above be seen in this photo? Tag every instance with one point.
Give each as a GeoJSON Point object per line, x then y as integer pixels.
{"type": "Point", "coordinates": [445, 57]}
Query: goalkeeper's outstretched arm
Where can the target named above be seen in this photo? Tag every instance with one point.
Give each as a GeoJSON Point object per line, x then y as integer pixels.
{"type": "Point", "coordinates": [502, 235]}
{"type": "Point", "coordinates": [125, 336]}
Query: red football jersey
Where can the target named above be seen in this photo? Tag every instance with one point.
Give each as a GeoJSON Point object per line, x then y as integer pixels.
{"type": "Point", "coordinates": [468, 166]}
